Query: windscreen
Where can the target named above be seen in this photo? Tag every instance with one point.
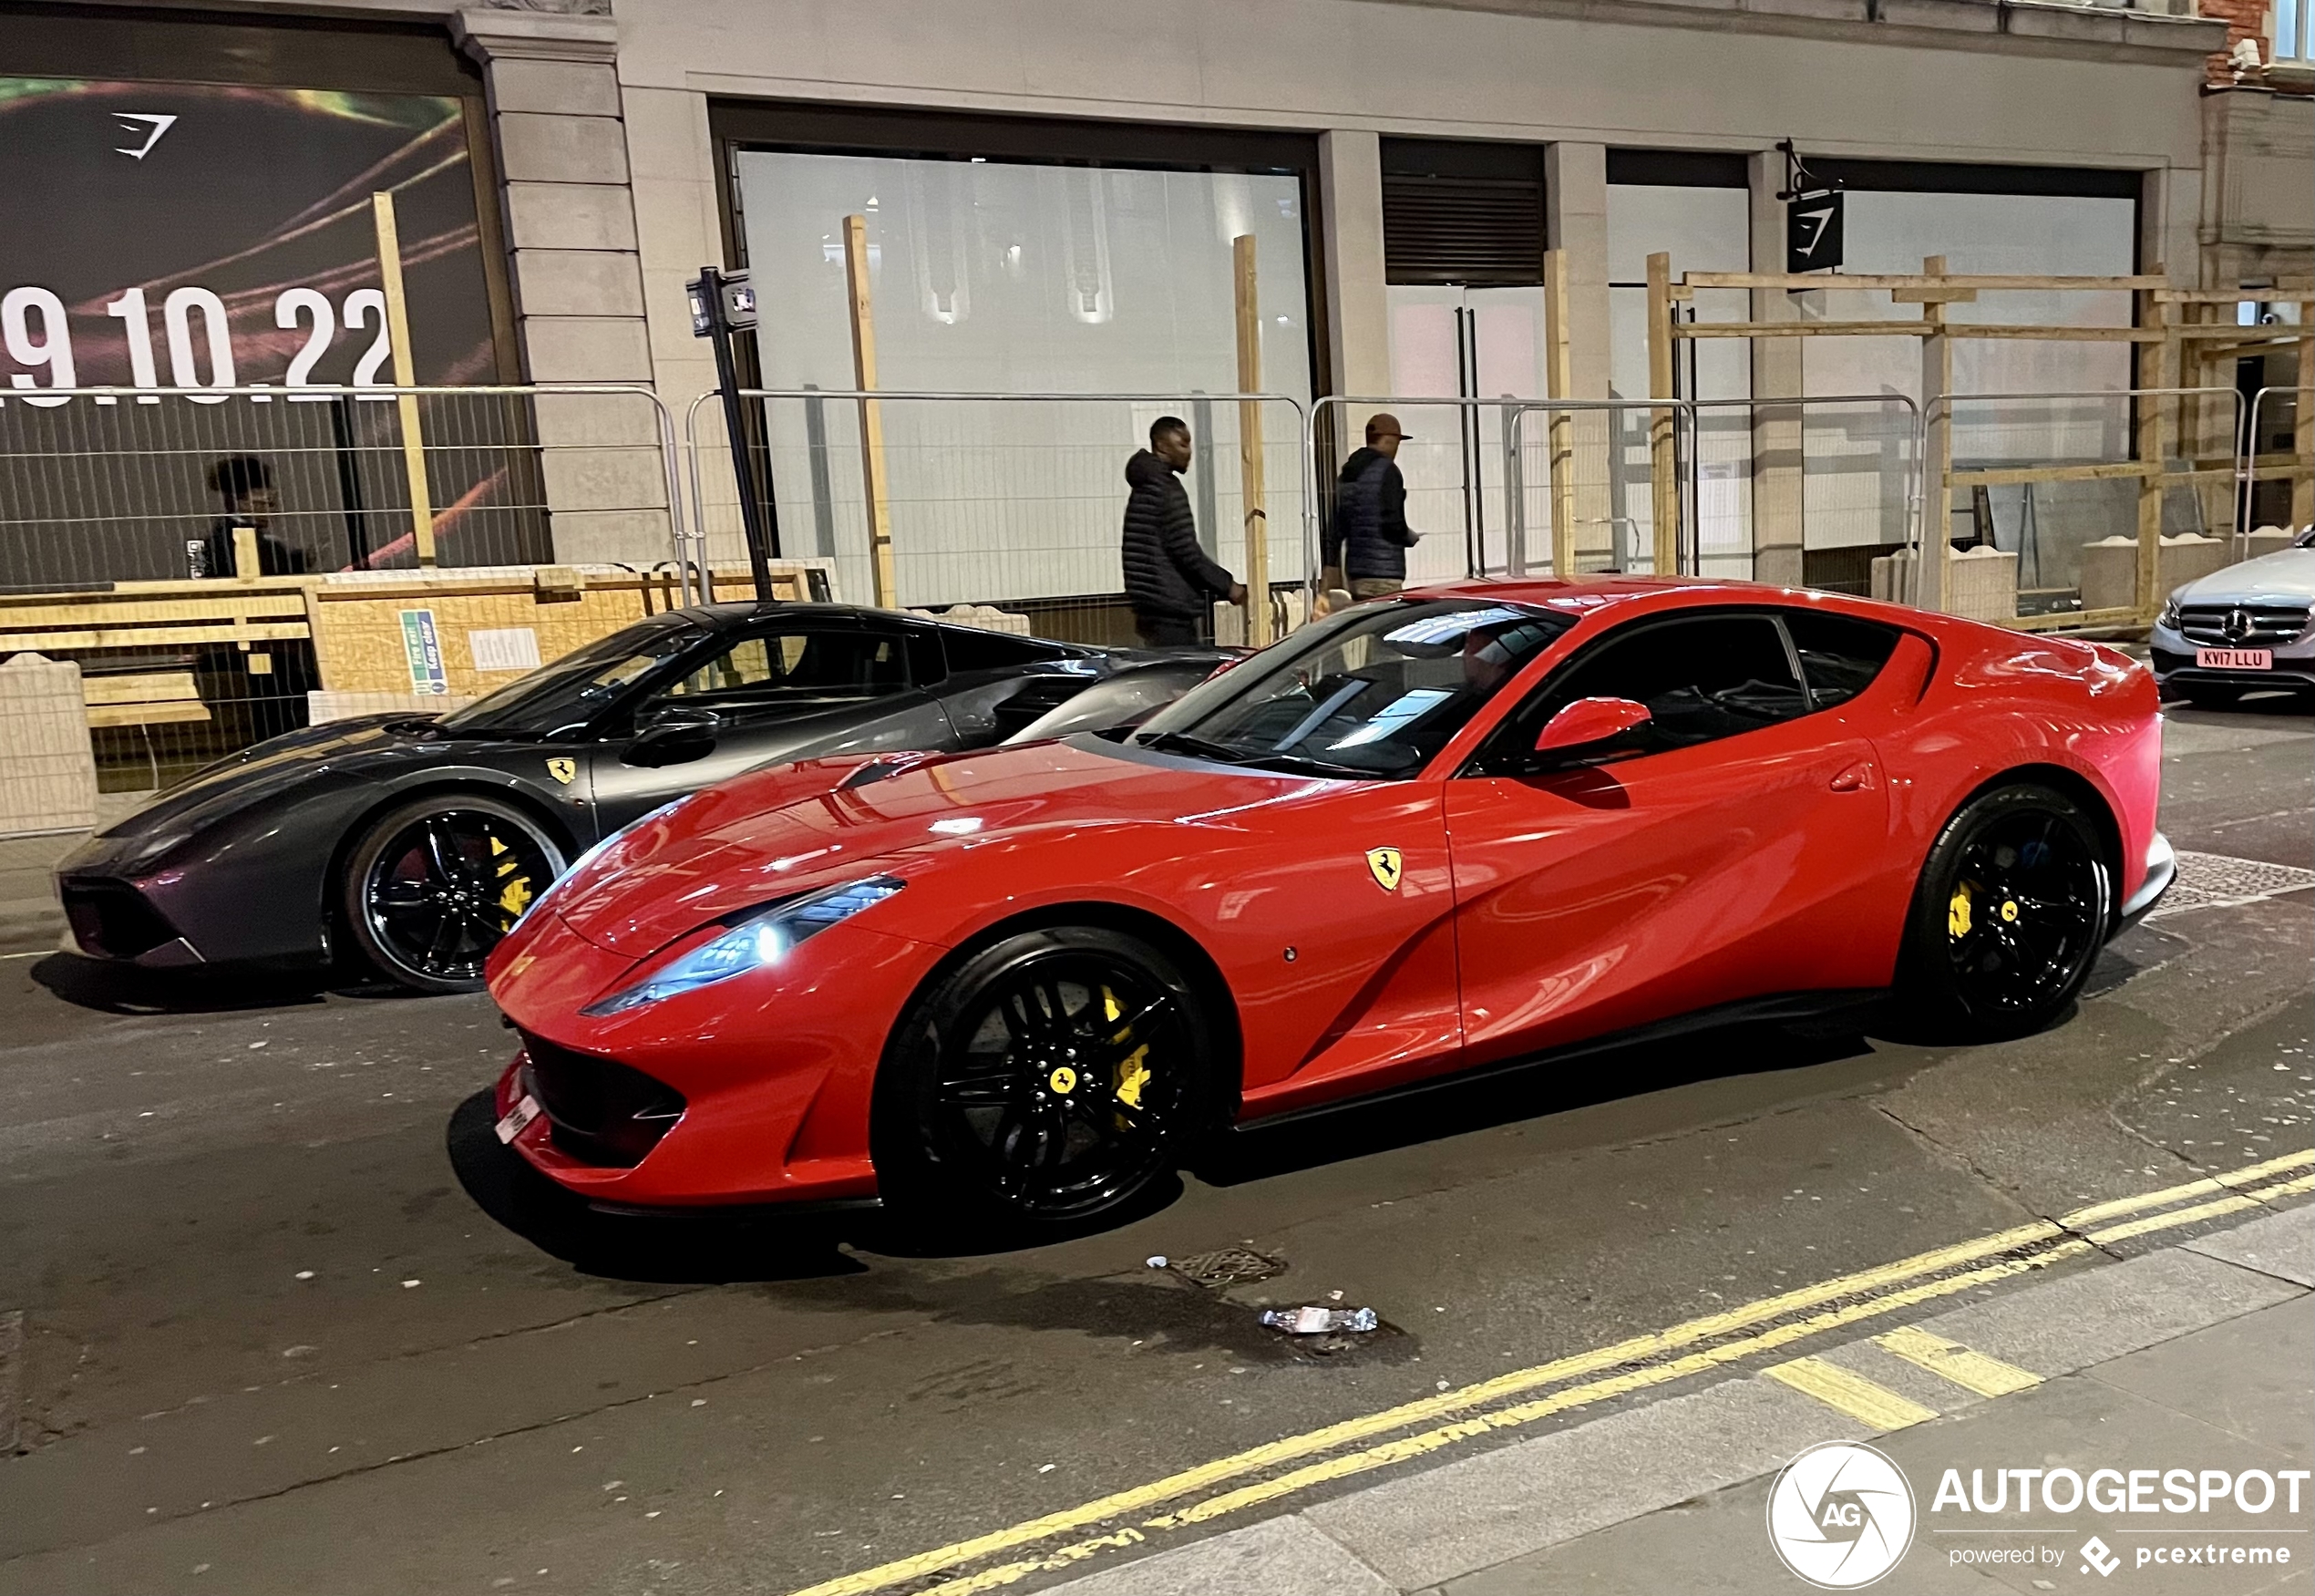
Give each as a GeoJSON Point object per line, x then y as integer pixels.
{"type": "Point", "coordinates": [561, 698]}
{"type": "Point", "coordinates": [1373, 692]}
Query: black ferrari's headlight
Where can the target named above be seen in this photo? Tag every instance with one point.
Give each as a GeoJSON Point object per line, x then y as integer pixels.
{"type": "Point", "coordinates": [763, 938]}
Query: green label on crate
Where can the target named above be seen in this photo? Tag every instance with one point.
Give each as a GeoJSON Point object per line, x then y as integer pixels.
{"type": "Point", "coordinates": [424, 645]}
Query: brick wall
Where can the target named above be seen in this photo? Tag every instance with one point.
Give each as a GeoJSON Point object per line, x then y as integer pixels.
{"type": "Point", "coordinates": [2245, 19]}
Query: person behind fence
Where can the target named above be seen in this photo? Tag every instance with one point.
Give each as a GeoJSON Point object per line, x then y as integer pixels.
{"type": "Point", "coordinates": [252, 694]}
{"type": "Point", "coordinates": [1169, 580]}
{"type": "Point", "coordinates": [1371, 537]}
{"type": "Point", "coordinates": [246, 484]}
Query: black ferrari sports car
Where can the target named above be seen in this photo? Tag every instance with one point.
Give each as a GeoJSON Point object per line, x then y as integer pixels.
{"type": "Point", "coordinates": [418, 841]}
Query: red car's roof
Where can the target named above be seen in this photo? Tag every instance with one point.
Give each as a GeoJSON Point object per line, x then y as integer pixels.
{"type": "Point", "coordinates": [1601, 592]}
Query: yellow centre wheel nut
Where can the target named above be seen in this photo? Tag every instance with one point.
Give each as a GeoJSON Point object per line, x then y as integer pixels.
{"type": "Point", "coordinates": [1063, 1080]}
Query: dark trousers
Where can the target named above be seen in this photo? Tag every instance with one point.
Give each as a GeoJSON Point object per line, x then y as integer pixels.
{"type": "Point", "coordinates": [1166, 631]}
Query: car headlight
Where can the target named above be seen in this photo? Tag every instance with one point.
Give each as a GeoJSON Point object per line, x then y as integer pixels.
{"type": "Point", "coordinates": [153, 848]}
{"type": "Point", "coordinates": [763, 938]}
{"type": "Point", "coordinates": [2169, 616]}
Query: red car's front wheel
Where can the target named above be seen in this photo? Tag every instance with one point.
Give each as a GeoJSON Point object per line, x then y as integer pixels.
{"type": "Point", "coordinates": [1050, 1077]}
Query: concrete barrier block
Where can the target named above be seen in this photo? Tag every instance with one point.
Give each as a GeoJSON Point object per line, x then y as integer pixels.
{"type": "Point", "coordinates": [2109, 572]}
{"type": "Point", "coordinates": [1982, 584]}
{"type": "Point", "coordinates": [48, 782]}
{"type": "Point", "coordinates": [2190, 556]}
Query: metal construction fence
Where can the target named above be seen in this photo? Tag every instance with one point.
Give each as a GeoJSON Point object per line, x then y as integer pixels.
{"type": "Point", "coordinates": [186, 572]}
{"type": "Point", "coordinates": [982, 499]}
{"type": "Point", "coordinates": [2052, 502]}
{"type": "Point", "coordinates": [1789, 491]}
{"type": "Point", "coordinates": [2279, 458]}
{"type": "Point", "coordinates": [211, 567]}
{"type": "Point", "coordinates": [107, 484]}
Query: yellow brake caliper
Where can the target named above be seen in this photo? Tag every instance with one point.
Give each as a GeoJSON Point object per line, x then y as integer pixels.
{"type": "Point", "coordinates": [1134, 1073]}
{"type": "Point", "coordinates": [1957, 912]}
{"type": "Point", "coordinates": [514, 897]}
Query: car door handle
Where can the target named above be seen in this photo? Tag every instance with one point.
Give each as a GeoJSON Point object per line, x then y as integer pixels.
{"type": "Point", "coordinates": [1856, 777]}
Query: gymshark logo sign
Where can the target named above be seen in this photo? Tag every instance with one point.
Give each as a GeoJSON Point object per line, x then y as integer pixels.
{"type": "Point", "coordinates": [152, 124]}
{"type": "Point", "coordinates": [1813, 224]}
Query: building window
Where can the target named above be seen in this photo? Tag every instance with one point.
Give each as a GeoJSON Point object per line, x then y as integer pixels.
{"type": "Point", "coordinates": [1035, 268]}
{"type": "Point", "coordinates": [2291, 29]}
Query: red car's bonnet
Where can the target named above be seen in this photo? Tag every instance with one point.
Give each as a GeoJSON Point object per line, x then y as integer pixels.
{"type": "Point", "coordinates": [796, 827]}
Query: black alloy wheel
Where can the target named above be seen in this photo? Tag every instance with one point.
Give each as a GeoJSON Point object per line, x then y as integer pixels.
{"type": "Point", "coordinates": [2013, 908]}
{"type": "Point", "coordinates": [434, 886]}
{"type": "Point", "coordinates": [1050, 1079]}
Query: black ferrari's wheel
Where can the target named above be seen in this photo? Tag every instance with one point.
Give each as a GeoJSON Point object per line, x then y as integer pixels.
{"type": "Point", "coordinates": [432, 887]}
{"type": "Point", "coordinates": [2012, 907]}
{"type": "Point", "coordinates": [1050, 1077]}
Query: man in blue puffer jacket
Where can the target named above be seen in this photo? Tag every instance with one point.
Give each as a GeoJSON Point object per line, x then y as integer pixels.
{"type": "Point", "coordinates": [1370, 536]}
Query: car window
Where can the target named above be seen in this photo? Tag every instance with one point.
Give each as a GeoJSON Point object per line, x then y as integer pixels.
{"type": "Point", "coordinates": [1839, 656]}
{"type": "Point", "coordinates": [970, 649]}
{"type": "Point", "coordinates": [1702, 677]}
{"type": "Point", "coordinates": [791, 667]}
{"type": "Point", "coordinates": [1126, 699]}
{"type": "Point", "coordinates": [1374, 691]}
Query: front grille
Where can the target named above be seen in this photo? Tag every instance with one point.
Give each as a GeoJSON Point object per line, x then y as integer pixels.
{"type": "Point", "coordinates": [598, 1110]}
{"type": "Point", "coordinates": [112, 919]}
{"type": "Point", "coordinates": [2264, 624]}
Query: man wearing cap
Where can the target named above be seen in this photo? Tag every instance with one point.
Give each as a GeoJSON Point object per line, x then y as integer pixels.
{"type": "Point", "coordinates": [1371, 535]}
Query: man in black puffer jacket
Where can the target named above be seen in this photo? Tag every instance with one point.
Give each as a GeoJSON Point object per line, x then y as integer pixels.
{"type": "Point", "coordinates": [1370, 536]}
{"type": "Point", "coordinates": [1169, 582]}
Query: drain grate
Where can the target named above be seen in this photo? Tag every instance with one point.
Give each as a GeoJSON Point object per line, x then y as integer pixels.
{"type": "Point", "coordinates": [2214, 880]}
{"type": "Point", "coordinates": [1226, 1266]}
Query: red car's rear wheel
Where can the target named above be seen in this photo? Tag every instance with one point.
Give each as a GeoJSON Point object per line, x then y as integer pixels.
{"type": "Point", "coordinates": [2012, 907]}
{"type": "Point", "coordinates": [1052, 1076]}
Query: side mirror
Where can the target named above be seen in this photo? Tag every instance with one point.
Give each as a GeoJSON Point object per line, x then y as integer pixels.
{"type": "Point", "coordinates": [1588, 721]}
{"type": "Point", "coordinates": [672, 737]}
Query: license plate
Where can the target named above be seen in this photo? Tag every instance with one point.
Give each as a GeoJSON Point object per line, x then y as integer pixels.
{"type": "Point", "coordinates": [2235, 659]}
{"type": "Point", "coordinates": [512, 1124]}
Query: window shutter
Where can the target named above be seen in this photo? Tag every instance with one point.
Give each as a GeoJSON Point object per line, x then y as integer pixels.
{"type": "Point", "coordinates": [1481, 232]}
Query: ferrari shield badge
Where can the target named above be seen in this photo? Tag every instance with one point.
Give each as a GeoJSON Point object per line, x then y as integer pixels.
{"type": "Point", "coordinates": [1386, 866]}
{"type": "Point", "coordinates": [563, 770]}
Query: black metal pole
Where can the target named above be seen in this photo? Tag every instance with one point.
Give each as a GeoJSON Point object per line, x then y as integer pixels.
{"type": "Point", "coordinates": [751, 504]}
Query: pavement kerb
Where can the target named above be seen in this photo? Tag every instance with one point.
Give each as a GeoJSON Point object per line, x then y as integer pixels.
{"type": "Point", "coordinates": [1415, 1532]}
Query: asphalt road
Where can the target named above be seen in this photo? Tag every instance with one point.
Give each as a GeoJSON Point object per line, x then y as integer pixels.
{"type": "Point", "coordinates": [289, 1321]}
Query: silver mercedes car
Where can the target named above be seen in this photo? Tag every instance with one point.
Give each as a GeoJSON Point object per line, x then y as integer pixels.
{"type": "Point", "coordinates": [2240, 629]}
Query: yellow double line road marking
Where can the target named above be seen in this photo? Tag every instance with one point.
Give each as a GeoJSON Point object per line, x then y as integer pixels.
{"type": "Point", "coordinates": [1878, 1291]}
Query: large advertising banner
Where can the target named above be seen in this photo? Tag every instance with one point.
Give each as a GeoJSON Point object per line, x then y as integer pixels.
{"type": "Point", "coordinates": [195, 235]}
{"type": "Point", "coordinates": [199, 235]}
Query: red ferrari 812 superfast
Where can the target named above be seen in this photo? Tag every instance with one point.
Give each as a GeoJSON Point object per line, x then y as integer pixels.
{"type": "Point", "coordinates": [1465, 829]}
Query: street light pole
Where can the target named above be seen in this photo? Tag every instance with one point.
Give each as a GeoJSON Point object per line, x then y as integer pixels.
{"type": "Point", "coordinates": [722, 304]}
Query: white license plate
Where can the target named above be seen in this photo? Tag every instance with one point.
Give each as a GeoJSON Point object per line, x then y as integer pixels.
{"type": "Point", "coordinates": [511, 1125]}
{"type": "Point", "coordinates": [2235, 659]}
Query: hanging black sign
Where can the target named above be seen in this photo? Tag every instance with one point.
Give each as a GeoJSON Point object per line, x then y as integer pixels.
{"type": "Point", "coordinates": [1813, 231]}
